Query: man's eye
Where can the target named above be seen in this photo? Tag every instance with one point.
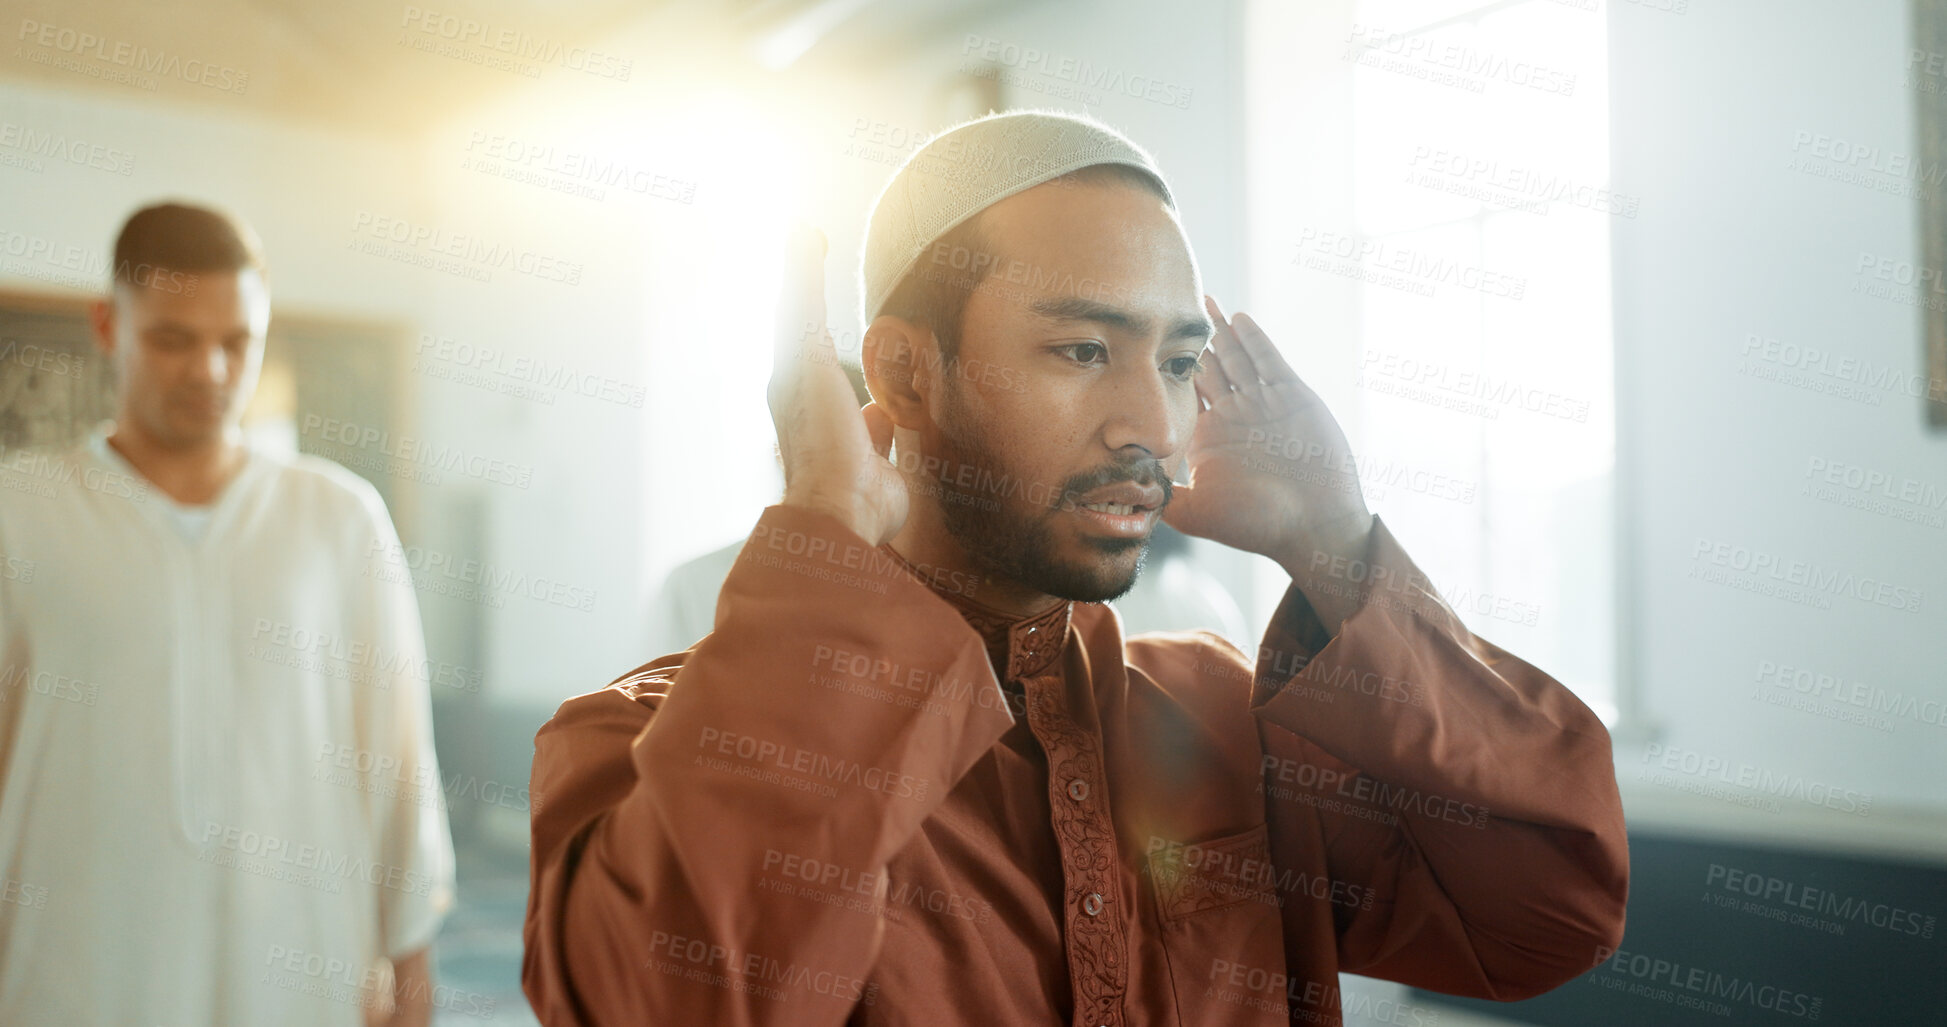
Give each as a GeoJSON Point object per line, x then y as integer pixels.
{"type": "Point", "coordinates": [1085, 352]}
{"type": "Point", "coordinates": [1184, 368]}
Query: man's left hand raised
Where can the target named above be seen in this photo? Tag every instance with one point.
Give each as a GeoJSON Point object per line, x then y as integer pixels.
{"type": "Point", "coordinates": [1270, 471]}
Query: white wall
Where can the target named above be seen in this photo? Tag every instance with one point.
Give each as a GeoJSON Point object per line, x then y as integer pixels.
{"type": "Point", "coordinates": [1732, 242]}
{"type": "Point", "coordinates": [282, 178]}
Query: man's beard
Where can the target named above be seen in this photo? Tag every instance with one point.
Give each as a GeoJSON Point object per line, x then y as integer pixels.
{"type": "Point", "coordinates": [1018, 544]}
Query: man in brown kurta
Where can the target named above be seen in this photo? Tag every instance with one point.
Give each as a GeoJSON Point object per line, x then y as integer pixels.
{"type": "Point", "coordinates": [895, 785]}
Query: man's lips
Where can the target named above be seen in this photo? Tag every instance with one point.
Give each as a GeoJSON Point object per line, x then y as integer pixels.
{"type": "Point", "coordinates": [1139, 498]}
{"type": "Point", "coordinates": [1124, 509]}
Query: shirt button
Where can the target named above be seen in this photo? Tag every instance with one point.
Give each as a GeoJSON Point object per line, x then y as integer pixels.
{"type": "Point", "coordinates": [1078, 790]}
{"type": "Point", "coordinates": [1093, 904]}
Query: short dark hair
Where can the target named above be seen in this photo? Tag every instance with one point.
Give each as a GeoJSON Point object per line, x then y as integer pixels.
{"type": "Point", "coordinates": [938, 301]}
{"type": "Point", "coordinates": [182, 237]}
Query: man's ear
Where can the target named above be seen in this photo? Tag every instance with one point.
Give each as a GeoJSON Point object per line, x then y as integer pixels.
{"type": "Point", "coordinates": [899, 358]}
{"type": "Point", "coordinates": [101, 317]}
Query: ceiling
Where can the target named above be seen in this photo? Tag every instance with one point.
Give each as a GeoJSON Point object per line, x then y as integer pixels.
{"type": "Point", "coordinates": [389, 67]}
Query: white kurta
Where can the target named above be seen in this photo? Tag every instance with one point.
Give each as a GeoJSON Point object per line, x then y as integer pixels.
{"type": "Point", "coordinates": [219, 802]}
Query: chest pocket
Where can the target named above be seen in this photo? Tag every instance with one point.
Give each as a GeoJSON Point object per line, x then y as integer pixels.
{"type": "Point", "coordinates": [1218, 909]}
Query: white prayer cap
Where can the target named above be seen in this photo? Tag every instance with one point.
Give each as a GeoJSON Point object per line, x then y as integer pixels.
{"type": "Point", "coordinates": [970, 167]}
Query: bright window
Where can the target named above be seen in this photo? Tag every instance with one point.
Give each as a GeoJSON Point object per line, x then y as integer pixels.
{"type": "Point", "coordinates": [1431, 219]}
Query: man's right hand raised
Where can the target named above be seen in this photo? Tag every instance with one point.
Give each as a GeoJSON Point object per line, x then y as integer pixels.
{"type": "Point", "coordinates": [835, 455]}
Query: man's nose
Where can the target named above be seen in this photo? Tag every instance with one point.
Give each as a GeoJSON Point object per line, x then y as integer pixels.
{"type": "Point", "coordinates": [1143, 414]}
{"type": "Point", "coordinates": [215, 365]}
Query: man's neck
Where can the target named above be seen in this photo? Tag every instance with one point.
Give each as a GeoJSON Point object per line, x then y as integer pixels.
{"type": "Point", "coordinates": [925, 542]}
{"type": "Point", "coordinates": [192, 475]}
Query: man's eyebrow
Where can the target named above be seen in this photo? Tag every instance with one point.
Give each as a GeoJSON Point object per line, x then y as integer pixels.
{"type": "Point", "coordinates": [1078, 308]}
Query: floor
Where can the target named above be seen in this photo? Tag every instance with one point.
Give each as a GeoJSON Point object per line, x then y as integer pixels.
{"type": "Point", "coordinates": [478, 972]}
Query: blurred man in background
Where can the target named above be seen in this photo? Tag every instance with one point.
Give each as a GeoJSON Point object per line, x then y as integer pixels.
{"type": "Point", "coordinates": [218, 791]}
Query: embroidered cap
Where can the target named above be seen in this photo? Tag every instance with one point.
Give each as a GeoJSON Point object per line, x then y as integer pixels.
{"type": "Point", "coordinates": [970, 167]}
